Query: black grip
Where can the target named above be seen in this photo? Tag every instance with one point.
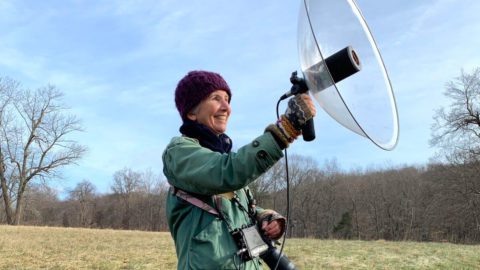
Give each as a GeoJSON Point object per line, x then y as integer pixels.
{"type": "Point", "coordinates": [308, 131]}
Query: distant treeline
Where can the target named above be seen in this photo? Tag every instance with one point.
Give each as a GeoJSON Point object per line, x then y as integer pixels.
{"type": "Point", "coordinates": [431, 203]}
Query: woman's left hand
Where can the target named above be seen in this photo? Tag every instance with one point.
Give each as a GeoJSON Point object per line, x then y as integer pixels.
{"type": "Point", "coordinates": [272, 229]}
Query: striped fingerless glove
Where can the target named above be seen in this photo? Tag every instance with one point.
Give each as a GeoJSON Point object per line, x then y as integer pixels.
{"type": "Point", "coordinates": [290, 124]}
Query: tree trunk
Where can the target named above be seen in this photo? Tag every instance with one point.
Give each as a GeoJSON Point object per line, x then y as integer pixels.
{"type": "Point", "coordinates": [18, 209]}
{"type": "Point", "coordinates": [20, 202]}
{"type": "Point", "coordinates": [6, 200]}
{"type": "Point", "coordinates": [5, 195]}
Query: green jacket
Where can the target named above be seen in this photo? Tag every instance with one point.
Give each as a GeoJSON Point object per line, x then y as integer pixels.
{"type": "Point", "coordinates": [202, 240]}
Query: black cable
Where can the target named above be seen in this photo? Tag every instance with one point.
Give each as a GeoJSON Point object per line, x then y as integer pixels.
{"type": "Point", "coordinates": [235, 262]}
{"type": "Point", "coordinates": [288, 195]}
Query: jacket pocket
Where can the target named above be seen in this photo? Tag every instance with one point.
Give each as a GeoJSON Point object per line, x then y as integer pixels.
{"type": "Point", "coordinates": [213, 248]}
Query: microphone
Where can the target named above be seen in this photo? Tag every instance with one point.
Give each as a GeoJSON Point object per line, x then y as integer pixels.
{"type": "Point", "coordinates": [340, 65]}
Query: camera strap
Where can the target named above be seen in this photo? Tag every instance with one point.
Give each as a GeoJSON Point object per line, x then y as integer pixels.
{"type": "Point", "coordinates": [195, 201]}
{"type": "Point", "coordinates": [192, 199]}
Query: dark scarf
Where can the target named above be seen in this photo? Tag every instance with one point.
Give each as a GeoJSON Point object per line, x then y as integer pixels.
{"type": "Point", "coordinates": [208, 139]}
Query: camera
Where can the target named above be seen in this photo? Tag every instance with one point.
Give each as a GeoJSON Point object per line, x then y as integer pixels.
{"type": "Point", "coordinates": [252, 244]}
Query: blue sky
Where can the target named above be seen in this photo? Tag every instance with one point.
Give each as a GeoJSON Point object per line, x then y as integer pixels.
{"type": "Point", "coordinates": [118, 63]}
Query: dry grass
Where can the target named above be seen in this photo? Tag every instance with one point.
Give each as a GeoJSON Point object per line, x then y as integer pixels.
{"type": "Point", "coordinates": [68, 248]}
{"type": "Point", "coordinates": [334, 254]}
{"type": "Point", "coordinates": [72, 248]}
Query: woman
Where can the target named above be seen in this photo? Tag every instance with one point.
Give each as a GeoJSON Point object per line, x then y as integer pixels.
{"type": "Point", "coordinates": [209, 198]}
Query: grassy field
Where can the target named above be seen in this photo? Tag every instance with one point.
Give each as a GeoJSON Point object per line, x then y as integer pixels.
{"type": "Point", "coordinates": [25, 247]}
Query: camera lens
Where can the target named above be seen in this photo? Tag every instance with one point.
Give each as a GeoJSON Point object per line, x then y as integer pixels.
{"type": "Point", "coordinates": [272, 256]}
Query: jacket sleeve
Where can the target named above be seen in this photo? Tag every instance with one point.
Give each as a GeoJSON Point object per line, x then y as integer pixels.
{"type": "Point", "coordinates": [197, 169]}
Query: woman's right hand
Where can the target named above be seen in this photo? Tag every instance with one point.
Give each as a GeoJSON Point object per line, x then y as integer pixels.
{"type": "Point", "coordinates": [300, 109]}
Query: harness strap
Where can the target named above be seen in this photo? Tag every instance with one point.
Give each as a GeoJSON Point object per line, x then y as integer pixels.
{"type": "Point", "coordinates": [194, 200]}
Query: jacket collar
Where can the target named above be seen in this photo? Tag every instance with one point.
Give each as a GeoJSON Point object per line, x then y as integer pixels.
{"type": "Point", "coordinates": [221, 143]}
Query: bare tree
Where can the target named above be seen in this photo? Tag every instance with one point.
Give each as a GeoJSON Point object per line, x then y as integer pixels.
{"type": "Point", "coordinates": [456, 129]}
{"type": "Point", "coordinates": [84, 194]}
{"type": "Point", "coordinates": [268, 184]}
{"type": "Point", "coordinates": [41, 205]}
{"type": "Point", "coordinates": [34, 143]}
{"type": "Point", "coordinates": [456, 132]}
{"type": "Point", "coordinates": [150, 208]}
{"type": "Point", "coordinates": [126, 183]}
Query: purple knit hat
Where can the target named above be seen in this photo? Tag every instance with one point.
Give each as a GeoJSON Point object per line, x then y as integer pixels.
{"type": "Point", "coordinates": [196, 86]}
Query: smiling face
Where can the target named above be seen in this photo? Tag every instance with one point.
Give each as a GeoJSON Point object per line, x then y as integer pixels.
{"type": "Point", "coordinates": [213, 111]}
